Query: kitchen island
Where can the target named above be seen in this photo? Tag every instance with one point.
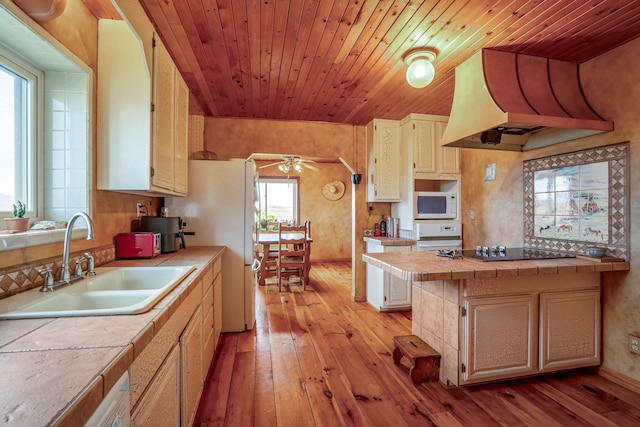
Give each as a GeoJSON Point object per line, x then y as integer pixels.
{"type": "Point", "coordinates": [503, 319]}
{"type": "Point", "coordinates": [56, 371]}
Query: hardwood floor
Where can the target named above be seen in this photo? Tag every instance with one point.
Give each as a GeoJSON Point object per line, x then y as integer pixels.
{"type": "Point", "coordinates": [317, 358]}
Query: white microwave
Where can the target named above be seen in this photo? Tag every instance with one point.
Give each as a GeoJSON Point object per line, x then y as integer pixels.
{"type": "Point", "coordinates": [435, 205]}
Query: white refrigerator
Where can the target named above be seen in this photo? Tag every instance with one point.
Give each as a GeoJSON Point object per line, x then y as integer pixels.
{"type": "Point", "coordinates": [220, 211]}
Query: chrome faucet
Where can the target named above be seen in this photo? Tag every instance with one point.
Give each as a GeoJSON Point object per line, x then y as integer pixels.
{"type": "Point", "coordinates": [65, 274]}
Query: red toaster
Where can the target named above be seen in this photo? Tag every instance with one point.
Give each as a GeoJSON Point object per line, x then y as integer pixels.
{"type": "Point", "coordinates": [137, 245]}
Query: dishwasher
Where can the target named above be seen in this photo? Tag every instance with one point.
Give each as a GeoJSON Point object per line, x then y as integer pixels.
{"type": "Point", "coordinates": [115, 409]}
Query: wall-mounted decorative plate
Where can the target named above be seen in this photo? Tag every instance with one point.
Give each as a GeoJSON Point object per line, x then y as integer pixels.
{"type": "Point", "coordinates": [333, 190]}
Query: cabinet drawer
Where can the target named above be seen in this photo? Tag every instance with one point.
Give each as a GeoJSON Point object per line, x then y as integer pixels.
{"type": "Point", "coordinates": [217, 267]}
{"type": "Point", "coordinates": [207, 320]}
{"type": "Point", "coordinates": [207, 355]}
{"type": "Point", "coordinates": [208, 278]}
{"type": "Point", "coordinates": [207, 300]}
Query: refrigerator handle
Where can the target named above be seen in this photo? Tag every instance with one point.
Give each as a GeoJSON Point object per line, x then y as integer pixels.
{"type": "Point", "coordinates": [255, 266]}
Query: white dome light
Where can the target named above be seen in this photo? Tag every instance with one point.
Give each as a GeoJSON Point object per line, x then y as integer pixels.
{"type": "Point", "coordinates": [420, 71]}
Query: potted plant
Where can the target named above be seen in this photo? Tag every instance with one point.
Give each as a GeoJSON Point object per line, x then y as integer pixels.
{"type": "Point", "coordinates": [18, 223]}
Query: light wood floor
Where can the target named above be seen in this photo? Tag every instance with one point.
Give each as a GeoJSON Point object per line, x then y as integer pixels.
{"type": "Point", "coordinates": [316, 358]}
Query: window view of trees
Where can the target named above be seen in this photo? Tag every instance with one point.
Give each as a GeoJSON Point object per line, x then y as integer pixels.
{"type": "Point", "coordinates": [278, 202]}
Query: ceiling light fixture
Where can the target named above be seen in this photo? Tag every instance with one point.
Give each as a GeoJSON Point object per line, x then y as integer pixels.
{"type": "Point", "coordinates": [289, 164]}
{"type": "Point", "coordinates": [420, 70]}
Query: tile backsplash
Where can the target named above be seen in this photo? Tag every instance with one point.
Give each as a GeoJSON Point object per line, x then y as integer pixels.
{"type": "Point", "coordinates": [617, 205]}
{"type": "Point", "coordinates": [66, 149]}
{"type": "Point", "coordinates": [19, 278]}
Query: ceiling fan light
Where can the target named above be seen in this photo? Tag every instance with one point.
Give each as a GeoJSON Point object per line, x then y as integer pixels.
{"type": "Point", "coordinates": [284, 167]}
{"type": "Point", "coordinates": [420, 72]}
{"type": "Point", "coordinates": [297, 167]}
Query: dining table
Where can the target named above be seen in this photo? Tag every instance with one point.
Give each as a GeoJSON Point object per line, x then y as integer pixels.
{"type": "Point", "coordinates": [266, 240]}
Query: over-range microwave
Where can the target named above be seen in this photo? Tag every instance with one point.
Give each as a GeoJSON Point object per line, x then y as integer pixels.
{"type": "Point", "coordinates": [435, 205]}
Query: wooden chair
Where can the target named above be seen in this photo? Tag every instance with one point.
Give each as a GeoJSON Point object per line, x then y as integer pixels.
{"type": "Point", "coordinates": [292, 254]}
{"type": "Point", "coordinates": [307, 225]}
{"type": "Point", "coordinates": [269, 264]}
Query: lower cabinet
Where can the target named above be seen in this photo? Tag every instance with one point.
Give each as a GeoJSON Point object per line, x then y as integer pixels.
{"type": "Point", "coordinates": [191, 367]}
{"type": "Point", "coordinates": [168, 377]}
{"type": "Point", "coordinates": [509, 336]}
{"type": "Point", "coordinates": [160, 405]}
{"type": "Point", "coordinates": [385, 291]}
{"type": "Point", "coordinates": [217, 308]}
{"type": "Point", "coordinates": [569, 330]}
{"type": "Point", "coordinates": [500, 337]}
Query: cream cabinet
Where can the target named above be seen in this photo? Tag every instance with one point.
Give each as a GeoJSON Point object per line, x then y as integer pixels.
{"type": "Point", "coordinates": [421, 135]}
{"type": "Point", "coordinates": [167, 378]}
{"type": "Point", "coordinates": [217, 303]}
{"type": "Point", "coordinates": [501, 338]}
{"type": "Point", "coordinates": [208, 346]}
{"type": "Point", "coordinates": [550, 325]}
{"type": "Point", "coordinates": [160, 405]}
{"type": "Point", "coordinates": [170, 115]}
{"type": "Point", "coordinates": [142, 115]}
{"type": "Point", "coordinates": [211, 314]}
{"type": "Point", "coordinates": [191, 367]}
{"type": "Point", "coordinates": [569, 329]}
{"type": "Point", "coordinates": [386, 292]}
{"type": "Point", "coordinates": [383, 154]}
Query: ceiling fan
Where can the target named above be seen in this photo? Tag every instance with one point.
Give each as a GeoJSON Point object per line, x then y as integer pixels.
{"type": "Point", "coordinates": [290, 163]}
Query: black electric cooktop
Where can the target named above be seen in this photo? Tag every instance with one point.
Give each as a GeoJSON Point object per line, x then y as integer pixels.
{"type": "Point", "coordinates": [513, 254]}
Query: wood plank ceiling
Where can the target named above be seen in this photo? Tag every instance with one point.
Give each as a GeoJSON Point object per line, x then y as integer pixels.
{"type": "Point", "coordinates": [342, 60]}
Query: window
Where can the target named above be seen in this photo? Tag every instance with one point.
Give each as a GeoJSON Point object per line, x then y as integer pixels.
{"type": "Point", "coordinates": [19, 85]}
{"type": "Point", "coordinates": [278, 202]}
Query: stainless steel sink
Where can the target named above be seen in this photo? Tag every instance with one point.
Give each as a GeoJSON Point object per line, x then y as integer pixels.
{"type": "Point", "coordinates": [114, 290]}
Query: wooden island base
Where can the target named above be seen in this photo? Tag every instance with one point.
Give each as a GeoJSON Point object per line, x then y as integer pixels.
{"type": "Point", "coordinates": [425, 361]}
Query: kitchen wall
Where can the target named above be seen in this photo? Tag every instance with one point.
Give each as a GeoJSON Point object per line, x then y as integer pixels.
{"type": "Point", "coordinates": [331, 220]}
{"type": "Point", "coordinates": [112, 213]}
{"type": "Point", "coordinates": [611, 84]}
{"type": "Point", "coordinates": [332, 227]}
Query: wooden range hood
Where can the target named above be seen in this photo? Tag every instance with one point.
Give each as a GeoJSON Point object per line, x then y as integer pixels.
{"type": "Point", "coordinates": [509, 101]}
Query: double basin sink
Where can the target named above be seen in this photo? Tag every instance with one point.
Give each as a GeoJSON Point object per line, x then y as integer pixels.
{"type": "Point", "coordinates": [113, 290]}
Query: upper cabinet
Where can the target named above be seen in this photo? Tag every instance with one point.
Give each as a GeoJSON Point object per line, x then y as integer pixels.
{"type": "Point", "coordinates": [421, 143]}
{"type": "Point", "coordinates": [383, 152]}
{"type": "Point", "coordinates": [142, 115]}
{"type": "Point", "coordinates": [170, 115]}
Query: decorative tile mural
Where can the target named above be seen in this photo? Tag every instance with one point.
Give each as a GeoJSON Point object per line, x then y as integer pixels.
{"type": "Point", "coordinates": [576, 200]}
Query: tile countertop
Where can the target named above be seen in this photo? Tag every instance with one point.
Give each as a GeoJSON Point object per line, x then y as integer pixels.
{"type": "Point", "coordinates": [389, 241]}
{"type": "Point", "coordinates": [425, 266]}
{"type": "Point", "coordinates": [55, 371]}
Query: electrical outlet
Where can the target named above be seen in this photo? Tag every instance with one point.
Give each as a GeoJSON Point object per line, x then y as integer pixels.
{"type": "Point", "coordinates": [139, 209]}
{"type": "Point", "coordinates": [634, 344]}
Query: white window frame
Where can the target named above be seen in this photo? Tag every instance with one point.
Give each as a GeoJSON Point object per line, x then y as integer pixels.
{"type": "Point", "coordinates": [35, 141]}
{"type": "Point", "coordinates": [296, 199]}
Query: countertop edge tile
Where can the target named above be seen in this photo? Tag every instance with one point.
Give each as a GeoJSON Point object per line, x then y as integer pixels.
{"type": "Point", "coordinates": [389, 241]}
{"type": "Point", "coordinates": [117, 368]}
{"type": "Point", "coordinates": [84, 405]}
{"type": "Point", "coordinates": [144, 337]}
{"type": "Point", "coordinates": [425, 266]}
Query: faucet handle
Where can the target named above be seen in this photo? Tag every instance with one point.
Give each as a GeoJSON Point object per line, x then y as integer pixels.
{"type": "Point", "coordinates": [47, 274]}
{"type": "Point", "coordinates": [44, 271]}
{"type": "Point", "coordinates": [78, 270]}
{"type": "Point", "coordinates": [90, 264]}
